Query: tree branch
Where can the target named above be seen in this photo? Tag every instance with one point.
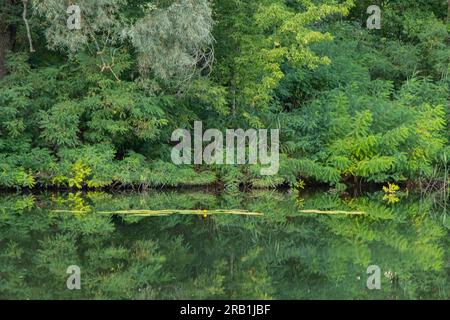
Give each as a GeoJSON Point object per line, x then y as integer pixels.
{"type": "Point", "coordinates": [24, 16]}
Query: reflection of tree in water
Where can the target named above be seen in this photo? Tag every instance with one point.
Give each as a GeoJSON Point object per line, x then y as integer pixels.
{"type": "Point", "coordinates": [284, 254]}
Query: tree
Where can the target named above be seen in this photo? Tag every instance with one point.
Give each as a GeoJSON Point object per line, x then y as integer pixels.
{"type": "Point", "coordinates": [8, 29]}
{"type": "Point", "coordinates": [448, 12]}
{"type": "Point", "coordinates": [172, 41]}
{"type": "Point", "coordinates": [260, 38]}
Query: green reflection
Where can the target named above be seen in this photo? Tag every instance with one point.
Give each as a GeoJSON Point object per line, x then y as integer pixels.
{"type": "Point", "coordinates": [286, 253]}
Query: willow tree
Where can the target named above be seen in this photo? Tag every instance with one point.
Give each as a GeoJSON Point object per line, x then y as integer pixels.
{"type": "Point", "coordinates": [173, 38]}
{"type": "Point", "coordinates": [172, 42]}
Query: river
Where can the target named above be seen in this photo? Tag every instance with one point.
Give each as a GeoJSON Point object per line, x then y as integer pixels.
{"type": "Point", "coordinates": [312, 245]}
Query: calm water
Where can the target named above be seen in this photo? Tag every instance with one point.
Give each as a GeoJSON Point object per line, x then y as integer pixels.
{"type": "Point", "coordinates": [283, 254]}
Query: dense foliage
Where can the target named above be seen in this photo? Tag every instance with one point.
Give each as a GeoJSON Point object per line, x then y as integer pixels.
{"type": "Point", "coordinates": [96, 107]}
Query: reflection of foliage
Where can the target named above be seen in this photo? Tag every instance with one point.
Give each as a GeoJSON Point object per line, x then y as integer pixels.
{"type": "Point", "coordinates": [281, 255]}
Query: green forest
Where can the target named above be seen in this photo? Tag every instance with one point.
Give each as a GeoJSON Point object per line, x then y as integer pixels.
{"type": "Point", "coordinates": [92, 92]}
{"type": "Point", "coordinates": [95, 107]}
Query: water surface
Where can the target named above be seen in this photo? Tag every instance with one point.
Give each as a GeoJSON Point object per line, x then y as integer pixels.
{"type": "Point", "coordinates": [282, 254]}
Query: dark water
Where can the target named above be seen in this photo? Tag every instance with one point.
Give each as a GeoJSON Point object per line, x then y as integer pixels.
{"type": "Point", "coordinates": [284, 254]}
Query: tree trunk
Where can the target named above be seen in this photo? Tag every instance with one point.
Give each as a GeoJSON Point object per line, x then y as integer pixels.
{"type": "Point", "coordinates": [7, 36]}
{"type": "Point", "coordinates": [5, 45]}
{"type": "Point", "coordinates": [448, 12]}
